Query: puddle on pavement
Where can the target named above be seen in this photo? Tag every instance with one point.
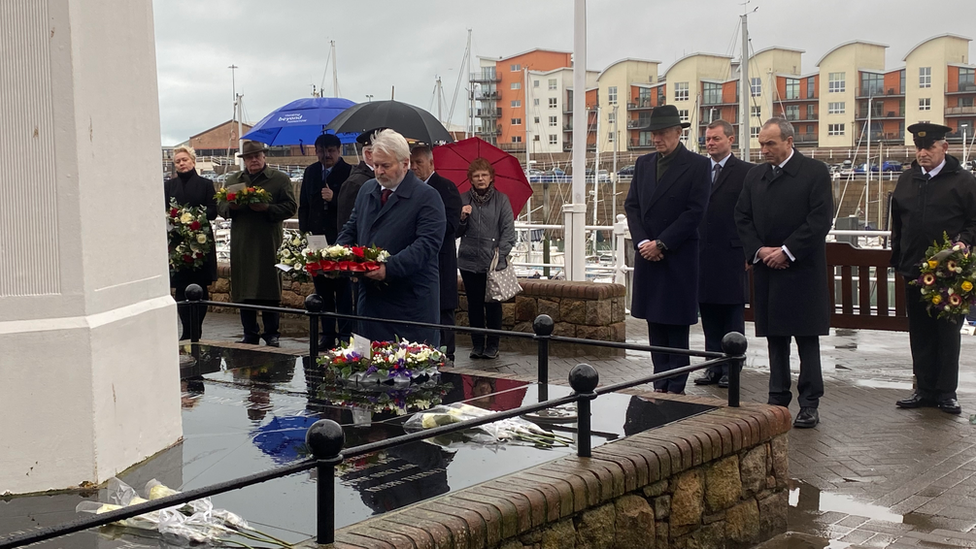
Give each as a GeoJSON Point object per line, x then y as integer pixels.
{"type": "Point", "coordinates": [247, 410]}
{"type": "Point", "coordinates": [806, 499]}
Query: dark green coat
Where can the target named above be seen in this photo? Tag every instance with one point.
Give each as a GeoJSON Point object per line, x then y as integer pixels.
{"type": "Point", "coordinates": [256, 236]}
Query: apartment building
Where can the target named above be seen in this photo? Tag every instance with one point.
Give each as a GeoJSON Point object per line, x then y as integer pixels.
{"type": "Point", "coordinates": [549, 110]}
{"type": "Point", "coordinates": [614, 85]}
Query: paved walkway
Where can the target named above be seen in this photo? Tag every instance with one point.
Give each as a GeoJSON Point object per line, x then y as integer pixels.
{"type": "Point", "coordinates": [869, 475]}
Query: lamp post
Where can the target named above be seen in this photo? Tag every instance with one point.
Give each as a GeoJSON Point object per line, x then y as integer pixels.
{"type": "Point", "coordinates": [369, 98]}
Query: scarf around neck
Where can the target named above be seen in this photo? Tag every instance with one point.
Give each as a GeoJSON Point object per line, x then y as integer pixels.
{"type": "Point", "coordinates": [482, 199]}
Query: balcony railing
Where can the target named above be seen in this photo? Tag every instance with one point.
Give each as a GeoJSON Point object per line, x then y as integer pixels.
{"type": "Point", "coordinates": [637, 124]}
{"type": "Point", "coordinates": [950, 111]}
{"type": "Point", "coordinates": [641, 103]}
{"type": "Point", "coordinates": [964, 87]}
{"type": "Point", "coordinates": [805, 138]}
{"type": "Point", "coordinates": [486, 113]}
{"type": "Point", "coordinates": [636, 144]}
{"type": "Point", "coordinates": [482, 96]}
{"type": "Point", "coordinates": [485, 77]}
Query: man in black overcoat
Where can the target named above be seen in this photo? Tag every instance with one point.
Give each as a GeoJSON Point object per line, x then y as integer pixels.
{"type": "Point", "coordinates": [317, 214]}
{"type": "Point", "coordinates": [722, 270]}
{"type": "Point", "coordinates": [188, 188]}
{"type": "Point", "coordinates": [783, 216]}
{"type": "Point", "coordinates": [422, 163]}
{"type": "Point", "coordinates": [667, 198]}
{"type": "Point", "coordinates": [935, 197]}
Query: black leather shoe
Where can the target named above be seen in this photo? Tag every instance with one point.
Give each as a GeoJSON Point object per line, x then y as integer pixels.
{"type": "Point", "coordinates": [490, 353]}
{"type": "Point", "coordinates": [710, 378]}
{"type": "Point", "coordinates": [723, 383]}
{"type": "Point", "coordinates": [477, 352]}
{"type": "Point", "coordinates": [249, 340]}
{"type": "Point", "coordinates": [950, 406]}
{"type": "Point", "coordinates": [807, 418]}
{"type": "Point", "coordinates": [914, 401]}
{"type": "Point", "coordinates": [272, 341]}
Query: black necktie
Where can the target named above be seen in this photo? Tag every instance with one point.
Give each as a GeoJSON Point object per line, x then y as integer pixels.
{"type": "Point", "coordinates": [385, 196]}
{"type": "Point", "coordinates": [716, 171]}
{"type": "Point", "coordinates": [776, 171]}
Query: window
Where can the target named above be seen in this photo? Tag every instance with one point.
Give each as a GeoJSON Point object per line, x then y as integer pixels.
{"type": "Point", "coordinates": [811, 87]}
{"type": "Point", "coordinates": [811, 112]}
{"type": "Point", "coordinates": [967, 79]}
{"type": "Point", "coordinates": [516, 68]}
{"type": "Point", "coordinates": [712, 93]}
{"type": "Point", "coordinates": [552, 83]}
{"type": "Point", "coordinates": [553, 140]}
{"type": "Point", "coordinates": [872, 84]}
{"type": "Point", "coordinates": [965, 101]}
{"type": "Point", "coordinates": [755, 112]}
{"type": "Point", "coordinates": [535, 120]}
{"type": "Point", "coordinates": [610, 137]}
{"type": "Point", "coordinates": [552, 102]}
{"type": "Point", "coordinates": [792, 88]}
{"type": "Point", "coordinates": [535, 102]}
{"type": "Point", "coordinates": [792, 112]}
{"type": "Point", "coordinates": [644, 97]}
{"type": "Point", "coordinates": [754, 132]}
{"type": "Point", "coordinates": [612, 117]}
{"type": "Point", "coordinates": [535, 138]}
{"type": "Point", "coordinates": [837, 82]}
{"type": "Point", "coordinates": [925, 104]}
{"type": "Point", "coordinates": [516, 139]}
{"type": "Point", "coordinates": [836, 107]}
{"type": "Point", "coordinates": [516, 85]}
{"type": "Point", "coordinates": [612, 95]}
{"type": "Point", "coordinates": [535, 83]}
{"type": "Point", "coordinates": [755, 86]}
{"type": "Point", "coordinates": [681, 92]}
{"type": "Point", "coordinates": [553, 121]}
{"type": "Point", "coordinates": [516, 121]}
{"type": "Point", "coordinates": [835, 129]}
{"type": "Point", "coordinates": [683, 115]}
{"type": "Point", "coordinates": [516, 103]}
{"type": "Point", "coordinates": [925, 77]}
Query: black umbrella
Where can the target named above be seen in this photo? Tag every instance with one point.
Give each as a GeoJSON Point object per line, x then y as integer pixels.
{"type": "Point", "coordinates": [411, 122]}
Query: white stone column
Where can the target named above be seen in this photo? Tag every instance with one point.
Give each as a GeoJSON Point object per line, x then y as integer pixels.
{"type": "Point", "coordinates": [89, 372]}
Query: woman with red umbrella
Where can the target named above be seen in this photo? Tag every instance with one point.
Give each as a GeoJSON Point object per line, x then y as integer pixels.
{"type": "Point", "coordinates": [487, 225]}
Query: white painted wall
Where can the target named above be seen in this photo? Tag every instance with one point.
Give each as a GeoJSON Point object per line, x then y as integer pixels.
{"type": "Point", "coordinates": [90, 365]}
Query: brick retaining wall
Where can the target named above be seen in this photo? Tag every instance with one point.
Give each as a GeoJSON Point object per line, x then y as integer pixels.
{"type": "Point", "coordinates": [588, 310]}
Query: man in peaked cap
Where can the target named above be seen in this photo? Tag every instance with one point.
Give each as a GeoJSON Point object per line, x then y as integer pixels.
{"type": "Point", "coordinates": [667, 198]}
{"type": "Point", "coordinates": [935, 196]}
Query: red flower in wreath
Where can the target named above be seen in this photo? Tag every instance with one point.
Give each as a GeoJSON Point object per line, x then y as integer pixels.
{"type": "Point", "coordinates": [195, 226]}
{"type": "Point", "coordinates": [359, 251]}
{"type": "Point", "coordinates": [187, 258]}
{"type": "Point", "coordinates": [173, 212]}
{"type": "Point", "coordinates": [231, 197]}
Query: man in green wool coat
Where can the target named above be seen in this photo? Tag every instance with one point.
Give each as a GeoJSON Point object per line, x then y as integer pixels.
{"type": "Point", "coordinates": [255, 235]}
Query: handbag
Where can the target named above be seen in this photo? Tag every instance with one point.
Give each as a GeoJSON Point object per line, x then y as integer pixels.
{"type": "Point", "coordinates": [502, 285]}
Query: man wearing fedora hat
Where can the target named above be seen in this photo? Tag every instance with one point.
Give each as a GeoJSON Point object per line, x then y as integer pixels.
{"type": "Point", "coordinates": [255, 236]}
{"type": "Point", "coordinates": [935, 197]}
{"type": "Point", "coordinates": [668, 196]}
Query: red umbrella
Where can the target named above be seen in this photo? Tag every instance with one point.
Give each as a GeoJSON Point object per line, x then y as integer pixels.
{"type": "Point", "coordinates": [452, 162]}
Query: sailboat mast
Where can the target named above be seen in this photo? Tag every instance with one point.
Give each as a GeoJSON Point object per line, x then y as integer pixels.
{"type": "Point", "coordinates": [469, 127]}
{"type": "Point", "coordinates": [745, 91]}
{"type": "Point", "coordinates": [335, 72]}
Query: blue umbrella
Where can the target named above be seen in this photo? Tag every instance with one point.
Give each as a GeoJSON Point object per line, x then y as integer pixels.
{"type": "Point", "coordinates": [300, 122]}
{"type": "Point", "coordinates": [283, 438]}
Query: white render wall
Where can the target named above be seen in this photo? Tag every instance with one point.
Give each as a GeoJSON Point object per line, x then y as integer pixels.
{"type": "Point", "coordinates": [88, 330]}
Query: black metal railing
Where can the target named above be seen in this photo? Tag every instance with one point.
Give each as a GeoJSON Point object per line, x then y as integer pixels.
{"type": "Point", "coordinates": [325, 438]}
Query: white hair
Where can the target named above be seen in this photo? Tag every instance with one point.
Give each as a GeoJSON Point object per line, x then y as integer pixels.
{"type": "Point", "coordinates": [391, 143]}
{"type": "Point", "coordinates": [185, 149]}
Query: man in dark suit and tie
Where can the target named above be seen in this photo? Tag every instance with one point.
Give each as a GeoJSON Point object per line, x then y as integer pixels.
{"type": "Point", "coordinates": [722, 271]}
{"type": "Point", "coordinates": [783, 216]}
{"type": "Point", "coordinates": [317, 215]}
{"type": "Point", "coordinates": [422, 163]}
{"type": "Point", "coordinates": [397, 212]}
{"type": "Point", "coordinates": [665, 205]}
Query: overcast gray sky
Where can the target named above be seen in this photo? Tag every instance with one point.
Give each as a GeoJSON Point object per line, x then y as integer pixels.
{"type": "Point", "coordinates": [282, 47]}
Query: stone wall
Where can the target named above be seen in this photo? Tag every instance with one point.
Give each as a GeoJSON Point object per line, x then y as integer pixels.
{"type": "Point", "coordinates": [713, 481]}
{"type": "Point", "coordinates": [588, 310]}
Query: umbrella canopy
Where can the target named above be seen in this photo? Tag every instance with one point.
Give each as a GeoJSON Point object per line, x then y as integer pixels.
{"type": "Point", "coordinates": [452, 162]}
{"type": "Point", "coordinates": [300, 122]}
{"type": "Point", "coordinates": [411, 122]}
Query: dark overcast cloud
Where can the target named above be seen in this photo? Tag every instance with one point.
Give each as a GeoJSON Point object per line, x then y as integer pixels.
{"type": "Point", "coordinates": [281, 47]}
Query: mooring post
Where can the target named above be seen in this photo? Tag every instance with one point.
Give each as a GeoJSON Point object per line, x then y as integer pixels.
{"type": "Point", "coordinates": [313, 307]}
{"type": "Point", "coordinates": [583, 379]}
{"type": "Point", "coordinates": [325, 438]}
{"type": "Point", "coordinates": [194, 294]}
{"type": "Point", "coordinates": [734, 346]}
{"type": "Point", "coordinates": [543, 326]}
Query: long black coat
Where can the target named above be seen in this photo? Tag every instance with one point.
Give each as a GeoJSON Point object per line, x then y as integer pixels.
{"type": "Point", "coordinates": [447, 258]}
{"type": "Point", "coordinates": [666, 291]}
{"type": "Point", "coordinates": [722, 275]}
{"type": "Point", "coordinates": [346, 199]}
{"type": "Point", "coordinates": [313, 216]}
{"type": "Point", "coordinates": [195, 191]}
{"type": "Point", "coordinates": [948, 204]}
{"type": "Point", "coordinates": [411, 227]}
{"type": "Point", "coordinates": [793, 210]}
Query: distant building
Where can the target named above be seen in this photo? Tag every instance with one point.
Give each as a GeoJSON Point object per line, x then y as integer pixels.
{"type": "Point", "coordinates": [218, 140]}
{"type": "Point", "coordinates": [549, 110]}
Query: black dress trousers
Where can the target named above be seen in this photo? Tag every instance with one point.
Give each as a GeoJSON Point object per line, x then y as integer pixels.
{"type": "Point", "coordinates": [935, 348]}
